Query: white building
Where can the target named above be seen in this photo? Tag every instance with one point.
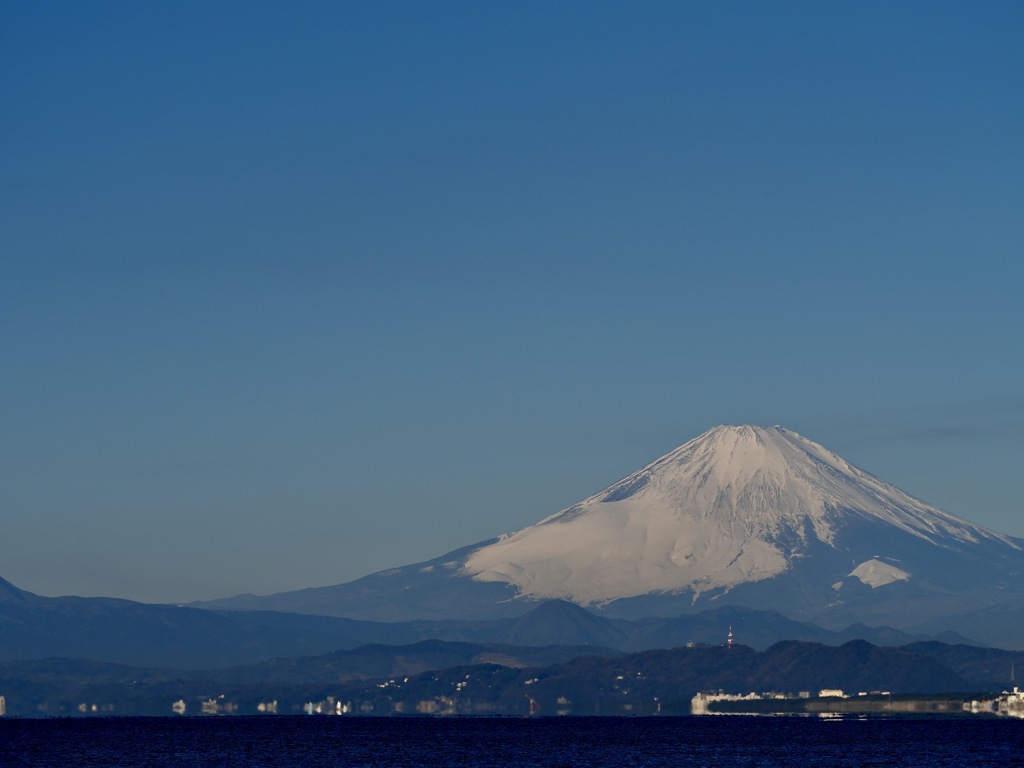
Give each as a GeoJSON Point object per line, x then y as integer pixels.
{"type": "Point", "coordinates": [1010, 703]}
{"type": "Point", "coordinates": [831, 693]}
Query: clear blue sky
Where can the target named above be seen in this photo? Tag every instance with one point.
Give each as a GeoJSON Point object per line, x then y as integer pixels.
{"type": "Point", "coordinates": [293, 292]}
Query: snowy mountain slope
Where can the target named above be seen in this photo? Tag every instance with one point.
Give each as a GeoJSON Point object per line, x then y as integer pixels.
{"type": "Point", "coordinates": [735, 505]}
{"type": "Point", "coordinates": [748, 516]}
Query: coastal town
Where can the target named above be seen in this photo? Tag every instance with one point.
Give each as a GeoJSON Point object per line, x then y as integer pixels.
{"type": "Point", "coordinates": [792, 678]}
{"type": "Point", "coordinates": [823, 703]}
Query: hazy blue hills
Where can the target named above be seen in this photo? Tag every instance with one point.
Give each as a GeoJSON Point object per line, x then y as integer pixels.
{"type": "Point", "coordinates": [122, 631]}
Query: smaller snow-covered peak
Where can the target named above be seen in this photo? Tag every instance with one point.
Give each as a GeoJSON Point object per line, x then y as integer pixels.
{"type": "Point", "coordinates": [876, 573]}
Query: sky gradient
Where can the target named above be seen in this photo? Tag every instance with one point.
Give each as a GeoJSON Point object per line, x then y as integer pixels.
{"type": "Point", "coordinates": [297, 292]}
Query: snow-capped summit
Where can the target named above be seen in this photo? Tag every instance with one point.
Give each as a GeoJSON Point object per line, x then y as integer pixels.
{"type": "Point", "coordinates": [732, 506]}
{"type": "Point", "coordinates": [748, 516]}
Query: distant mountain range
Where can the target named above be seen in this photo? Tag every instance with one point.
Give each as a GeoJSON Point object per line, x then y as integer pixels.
{"type": "Point", "coordinates": [747, 516]}
{"type": "Point", "coordinates": [121, 631]}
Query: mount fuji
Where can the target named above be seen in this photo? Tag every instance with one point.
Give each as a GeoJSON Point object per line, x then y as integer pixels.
{"type": "Point", "coordinates": [741, 515]}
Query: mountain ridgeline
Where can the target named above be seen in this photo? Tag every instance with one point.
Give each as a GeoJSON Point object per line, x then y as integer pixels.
{"type": "Point", "coordinates": [121, 631]}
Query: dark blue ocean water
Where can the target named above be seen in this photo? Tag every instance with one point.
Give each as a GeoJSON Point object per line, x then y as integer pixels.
{"type": "Point", "coordinates": [285, 742]}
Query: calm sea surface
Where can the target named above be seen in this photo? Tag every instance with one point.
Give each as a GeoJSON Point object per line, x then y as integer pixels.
{"type": "Point", "coordinates": [576, 741]}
